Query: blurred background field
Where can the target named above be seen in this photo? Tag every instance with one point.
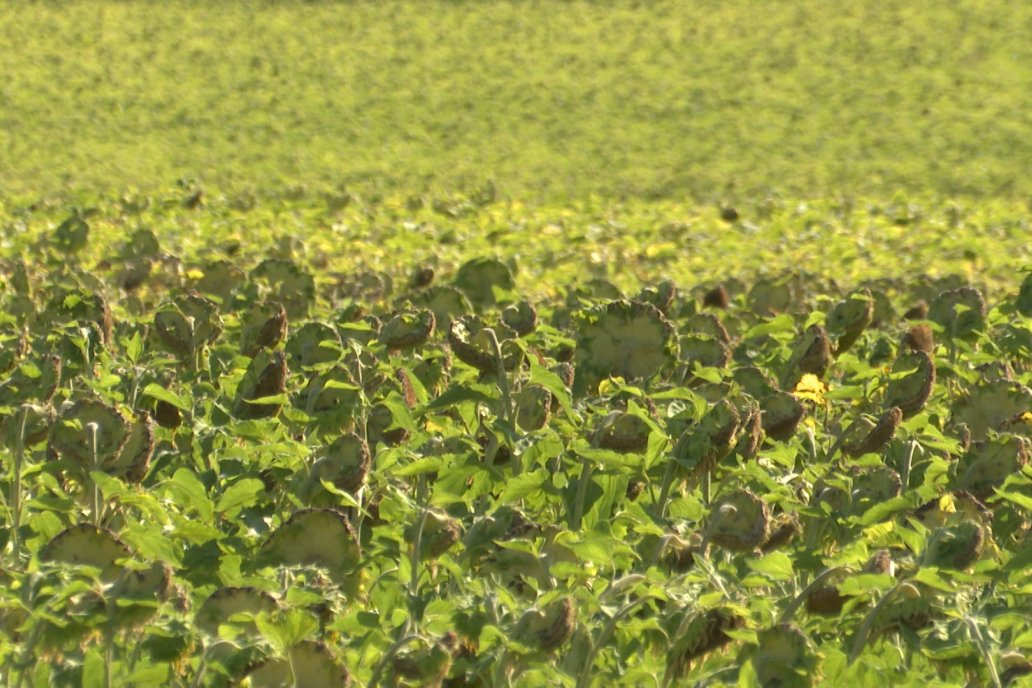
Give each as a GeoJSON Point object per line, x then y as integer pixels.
{"type": "Point", "coordinates": [700, 101]}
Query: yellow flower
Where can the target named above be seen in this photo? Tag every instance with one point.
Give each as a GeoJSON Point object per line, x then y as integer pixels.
{"type": "Point", "coordinates": [810, 387]}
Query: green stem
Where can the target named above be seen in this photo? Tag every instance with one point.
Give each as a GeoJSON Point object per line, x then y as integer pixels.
{"type": "Point", "coordinates": [109, 656]}
{"type": "Point", "coordinates": [589, 661]}
{"type": "Point", "coordinates": [134, 656]}
{"type": "Point", "coordinates": [501, 672]}
{"type": "Point", "coordinates": [503, 379]}
{"type": "Point", "coordinates": [824, 575]}
{"type": "Point", "coordinates": [830, 454]}
{"type": "Point", "coordinates": [664, 492]}
{"type": "Point", "coordinates": [907, 465]}
{"type": "Point", "coordinates": [983, 649]}
{"type": "Point", "coordinates": [415, 561]}
{"type": "Point", "coordinates": [134, 391]}
{"type": "Point", "coordinates": [28, 654]}
{"type": "Point", "coordinates": [16, 505]}
{"type": "Point", "coordinates": [582, 495]}
{"type": "Point", "coordinates": [193, 345]}
{"type": "Point", "coordinates": [374, 681]}
{"type": "Point", "coordinates": [362, 421]}
{"type": "Point", "coordinates": [811, 447]}
{"type": "Point", "coordinates": [360, 512]}
{"type": "Point", "coordinates": [94, 489]}
{"type": "Point", "coordinates": [864, 632]}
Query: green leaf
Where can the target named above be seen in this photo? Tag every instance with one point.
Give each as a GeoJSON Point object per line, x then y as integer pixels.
{"type": "Point", "coordinates": [776, 565]}
{"type": "Point", "coordinates": [745, 635]}
{"type": "Point", "coordinates": [110, 487]}
{"type": "Point", "coordinates": [288, 630]}
{"type": "Point", "coordinates": [606, 457]}
{"type": "Point", "coordinates": [931, 578]}
{"type": "Point", "coordinates": [134, 347]}
{"type": "Point", "coordinates": [597, 546]}
{"type": "Point", "coordinates": [345, 497]}
{"type": "Point", "coordinates": [863, 583]}
{"type": "Point", "coordinates": [272, 400]}
{"type": "Point", "coordinates": [1023, 501]}
{"type": "Point", "coordinates": [240, 494]}
{"type": "Point", "coordinates": [553, 383]}
{"type": "Point", "coordinates": [614, 490]}
{"type": "Point", "coordinates": [296, 597]}
{"type": "Point", "coordinates": [457, 394]}
{"type": "Point", "coordinates": [151, 542]}
{"type": "Point", "coordinates": [782, 324]}
{"type": "Point", "coordinates": [400, 412]}
{"type": "Point", "coordinates": [339, 384]}
{"type": "Point", "coordinates": [853, 554]}
{"type": "Point", "coordinates": [429, 464]}
{"type": "Point", "coordinates": [847, 392]}
{"type": "Point", "coordinates": [882, 510]}
{"type": "Point", "coordinates": [152, 675]}
{"type": "Point", "coordinates": [519, 487]}
{"type": "Point", "coordinates": [93, 670]}
{"type": "Point", "coordinates": [911, 538]}
{"type": "Point", "coordinates": [156, 391]}
{"type": "Point", "coordinates": [643, 523]}
{"type": "Point", "coordinates": [189, 492]}
{"type": "Point", "coordinates": [707, 373]}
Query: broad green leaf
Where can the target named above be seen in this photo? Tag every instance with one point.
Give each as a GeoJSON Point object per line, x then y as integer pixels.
{"type": "Point", "coordinates": [93, 671]}
{"type": "Point", "coordinates": [597, 547]}
{"type": "Point", "coordinates": [882, 510]}
{"type": "Point", "coordinates": [775, 565]}
{"type": "Point", "coordinates": [240, 494]}
{"type": "Point", "coordinates": [156, 391]}
{"type": "Point", "coordinates": [614, 490]}
{"type": "Point", "coordinates": [1023, 501]}
{"type": "Point", "coordinates": [863, 583]}
{"type": "Point", "coordinates": [930, 577]}
{"type": "Point", "coordinates": [156, 675]}
{"type": "Point", "coordinates": [430, 464]}
{"type": "Point", "coordinates": [134, 347]}
{"type": "Point", "coordinates": [286, 630]}
{"type": "Point", "coordinates": [456, 395]}
{"type": "Point", "coordinates": [272, 400]}
{"type": "Point", "coordinates": [150, 542]}
{"type": "Point", "coordinates": [345, 497]}
{"type": "Point", "coordinates": [400, 412]}
{"type": "Point", "coordinates": [606, 457]}
{"type": "Point", "coordinates": [781, 324]}
{"type": "Point", "coordinates": [546, 378]}
{"type": "Point", "coordinates": [189, 493]}
{"type": "Point", "coordinates": [522, 485]}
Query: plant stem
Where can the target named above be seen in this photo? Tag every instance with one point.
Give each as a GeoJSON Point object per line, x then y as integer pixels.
{"type": "Point", "coordinates": [19, 462]}
{"type": "Point", "coordinates": [865, 627]}
{"type": "Point", "coordinates": [582, 495]}
{"type": "Point", "coordinates": [503, 379]}
{"type": "Point", "coordinates": [109, 656]}
{"type": "Point", "coordinates": [95, 466]}
{"type": "Point", "coordinates": [983, 649]}
{"type": "Point", "coordinates": [374, 681]}
{"type": "Point", "coordinates": [790, 610]}
{"type": "Point", "coordinates": [664, 492]}
{"type": "Point", "coordinates": [589, 661]}
{"type": "Point", "coordinates": [417, 543]}
{"type": "Point", "coordinates": [907, 465]}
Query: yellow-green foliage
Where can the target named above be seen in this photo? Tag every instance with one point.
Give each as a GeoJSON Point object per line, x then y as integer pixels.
{"type": "Point", "coordinates": [657, 99]}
